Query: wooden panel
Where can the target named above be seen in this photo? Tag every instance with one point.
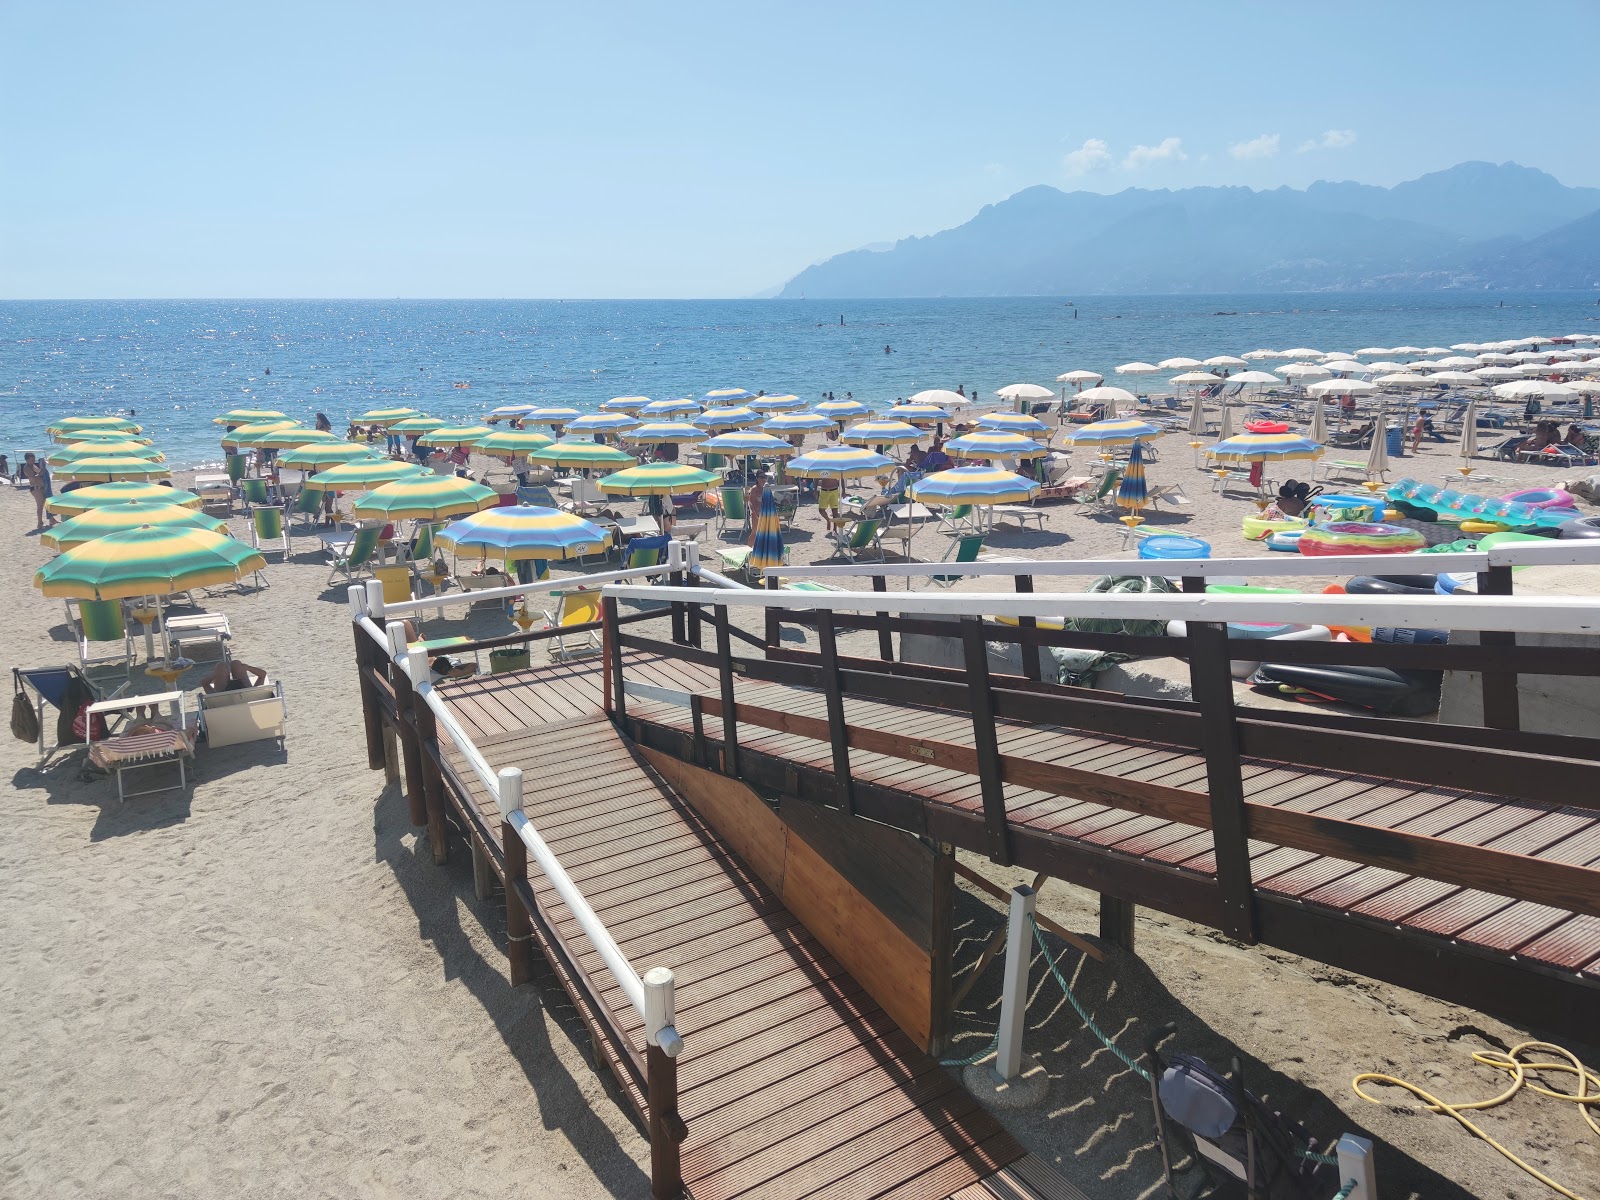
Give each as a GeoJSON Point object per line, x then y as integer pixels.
{"type": "Point", "coordinates": [740, 817]}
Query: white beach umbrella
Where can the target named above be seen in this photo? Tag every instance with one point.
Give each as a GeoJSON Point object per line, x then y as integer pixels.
{"type": "Point", "coordinates": [1336, 355]}
{"type": "Point", "coordinates": [1494, 358]}
{"type": "Point", "coordinates": [1378, 456]}
{"type": "Point", "coordinates": [1423, 364]}
{"type": "Point", "coordinates": [1340, 387]}
{"type": "Point", "coordinates": [1255, 355]}
{"type": "Point", "coordinates": [1533, 370]}
{"type": "Point", "coordinates": [1027, 391]}
{"type": "Point", "coordinates": [1196, 378]}
{"type": "Point", "coordinates": [1398, 350]}
{"type": "Point", "coordinates": [1225, 360]}
{"type": "Point", "coordinates": [1384, 368]}
{"type": "Point", "coordinates": [1436, 349]}
{"type": "Point", "coordinates": [1467, 347]}
{"type": "Point", "coordinates": [1586, 387]}
{"type": "Point", "coordinates": [1367, 351]}
{"type": "Point", "coordinates": [1178, 364]}
{"type": "Point", "coordinates": [1303, 373]}
{"type": "Point", "coordinates": [1534, 389]}
{"type": "Point", "coordinates": [1079, 377]}
{"type": "Point", "coordinates": [1403, 379]}
{"type": "Point", "coordinates": [1254, 378]}
{"type": "Point", "coordinates": [1345, 366]}
{"type": "Point", "coordinates": [1531, 341]}
{"type": "Point", "coordinates": [943, 397]}
{"type": "Point", "coordinates": [1108, 396]}
{"type": "Point", "coordinates": [1456, 379]}
{"type": "Point", "coordinates": [1300, 352]}
{"type": "Point", "coordinates": [1138, 368]}
{"type": "Point", "coordinates": [1318, 430]}
{"type": "Point", "coordinates": [1458, 362]}
{"type": "Point", "coordinates": [1496, 374]}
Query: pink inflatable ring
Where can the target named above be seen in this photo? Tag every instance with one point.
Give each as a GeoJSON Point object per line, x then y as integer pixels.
{"type": "Point", "coordinates": [1542, 498]}
{"type": "Point", "coordinates": [1360, 537]}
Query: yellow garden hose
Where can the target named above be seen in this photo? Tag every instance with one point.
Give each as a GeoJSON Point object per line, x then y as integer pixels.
{"type": "Point", "coordinates": [1587, 1096]}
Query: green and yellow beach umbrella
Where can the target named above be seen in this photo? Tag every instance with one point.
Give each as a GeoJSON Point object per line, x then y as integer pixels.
{"type": "Point", "coordinates": [59, 429]}
{"type": "Point", "coordinates": [288, 438]}
{"type": "Point", "coordinates": [317, 456]}
{"type": "Point", "coordinates": [387, 416]}
{"type": "Point", "coordinates": [523, 532]}
{"type": "Point", "coordinates": [418, 425]}
{"type": "Point", "coordinates": [114, 518]}
{"type": "Point", "coordinates": [147, 561]}
{"type": "Point", "coordinates": [90, 437]}
{"type": "Point", "coordinates": [425, 497]}
{"type": "Point", "coordinates": [580, 452]}
{"type": "Point", "coordinates": [242, 435]}
{"type": "Point", "coordinates": [249, 416]}
{"type": "Point", "coordinates": [512, 443]}
{"type": "Point", "coordinates": [454, 435]}
{"type": "Point", "coordinates": [123, 492]}
{"type": "Point", "coordinates": [110, 467]}
{"type": "Point", "coordinates": [77, 451]}
{"type": "Point", "coordinates": [359, 474]}
{"type": "Point", "coordinates": [658, 479]}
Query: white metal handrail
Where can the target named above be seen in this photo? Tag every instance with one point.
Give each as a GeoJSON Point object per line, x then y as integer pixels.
{"type": "Point", "coordinates": [406, 608]}
{"type": "Point", "coordinates": [1516, 614]}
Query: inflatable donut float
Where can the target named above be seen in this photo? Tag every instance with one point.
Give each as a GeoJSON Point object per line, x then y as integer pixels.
{"type": "Point", "coordinates": [1257, 528]}
{"type": "Point", "coordinates": [1266, 427]}
{"type": "Point", "coordinates": [1581, 527]}
{"type": "Point", "coordinates": [1543, 498]}
{"type": "Point", "coordinates": [1287, 540]}
{"type": "Point", "coordinates": [1360, 537]}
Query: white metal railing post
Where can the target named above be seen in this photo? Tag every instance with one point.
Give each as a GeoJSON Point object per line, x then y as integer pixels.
{"type": "Point", "coordinates": [659, 1011]}
{"type": "Point", "coordinates": [375, 598]}
{"type": "Point", "coordinates": [356, 595]}
{"type": "Point", "coordinates": [508, 793]}
{"type": "Point", "coordinates": [396, 634]}
{"type": "Point", "coordinates": [661, 1085]}
{"type": "Point", "coordinates": [1356, 1162]}
{"type": "Point", "coordinates": [674, 555]}
{"type": "Point", "coordinates": [691, 552]}
{"type": "Point", "coordinates": [1014, 990]}
{"type": "Point", "coordinates": [417, 666]}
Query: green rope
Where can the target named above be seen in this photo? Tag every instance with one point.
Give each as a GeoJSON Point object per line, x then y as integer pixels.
{"type": "Point", "coordinates": [994, 1044]}
{"type": "Point", "coordinates": [1087, 1020]}
{"type": "Point", "coordinates": [1344, 1192]}
{"type": "Point", "coordinates": [1331, 1160]}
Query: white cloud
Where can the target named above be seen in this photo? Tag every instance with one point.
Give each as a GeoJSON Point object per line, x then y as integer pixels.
{"type": "Point", "coordinates": [1091, 156]}
{"type": "Point", "coordinates": [1142, 156]}
{"type": "Point", "coordinates": [1264, 146]}
{"type": "Point", "coordinates": [1333, 139]}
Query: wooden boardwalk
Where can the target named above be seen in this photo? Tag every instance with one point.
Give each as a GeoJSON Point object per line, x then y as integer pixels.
{"type": "Point", "coordinates": [793, 1082]}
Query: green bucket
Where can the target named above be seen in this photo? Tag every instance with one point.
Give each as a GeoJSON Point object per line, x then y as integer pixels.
{"type": "Point", "coordinates": [501, 661]}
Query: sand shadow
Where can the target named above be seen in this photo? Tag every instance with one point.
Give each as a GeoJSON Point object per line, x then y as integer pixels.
{"type": "Point", "coordinates": [63, 781]}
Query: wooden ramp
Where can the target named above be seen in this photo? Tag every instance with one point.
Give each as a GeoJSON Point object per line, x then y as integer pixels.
{"type": "Point", "coordinates": [793, 1082]}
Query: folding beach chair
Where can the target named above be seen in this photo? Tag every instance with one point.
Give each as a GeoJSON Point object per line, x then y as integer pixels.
{"type": "Point", "coordinates": [255, 493]}
{"type": "Point", "coordinates": [120, 753]}
{"type": "Point", "coordinates": [236, 465]}
{"type": "Point", "coordinates": [352, 558]}
{"type": "Point", "coordinates": [1022, 514]}
{"type": "Point", "coordinates": [961, 518]}
{"type": "Point", "coordinates": [396, 583]}
{"type": "Point", "coordinates": [966, 549]}
{"type": "Point", "coordinates": [536, 494]}
{"type": "Point", "coordinates": [101, 632]}
{"type": "Point", "coordinates": [732, 509]}
{"type": "Point", "coordinates": [581, 607]}
{"type": "Point", "coordinates": [55, 687]}
{"type": "Point", "coordinates": [216, 499]}
{"type": "Point", "coordinates": [307, 504]}
{"type": "Point", "coordinates": [859, 539]}
{"type": "Point", "coordinates": [646, 552]}
{"type": "Point", "coordinates": [1170, 494]}
{"type": "Point", "coordinates": [269, 529]}
{"type": "Point", "coordinates": [1104, 496]}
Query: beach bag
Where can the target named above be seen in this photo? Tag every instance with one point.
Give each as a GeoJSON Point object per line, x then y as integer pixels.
{"type": "Point", "coordinates": [1197, 1098]}
{"type": "Point", "coordinates": [82, 722]}
{"type": "Point", "coordinates": [24, 720]}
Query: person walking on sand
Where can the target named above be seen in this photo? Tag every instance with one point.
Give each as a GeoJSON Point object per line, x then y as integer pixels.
{"type": "Point", "coordinates": [38, 476]}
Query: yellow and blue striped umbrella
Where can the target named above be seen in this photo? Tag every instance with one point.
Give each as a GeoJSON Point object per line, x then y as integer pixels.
{"type": "Point", "coordinates": [726, 396]}
{"type": "Point", "coordinates": [521, 532]}
{"type": "Point", "coordinates": [109, 467]}
{"type": "Point", "coordinates": [727, 418]}
{"type": "Point", "coordinates": [122, 492]}
{"type": "Point", "coordinates": [1264, 447]}
{"type": "Point", "coordinates": [973, 485]}
{"type": "Point", "coordinates": [359, 474]}
{"type": "Point", "coordinates": [927, 414]}
{"type": "Point", "coordinates": [610, 422]}
{"type": "Point", "coordinates": [841, 411]}
{"type": "Point", "coordinates": [627, 404]}
{"type": "Point", "coordinates": [512, 443]}
{"type": "Point", "coordinates": [426, 498]}
{"type": "Point", "coordinates": [800, 422]}
{"type": "Point", "coordinates": [552, 414]}
{"type": "Point", "coordinates": [668, 408]}
{"type": "Point", "coordinates": [656, 433]}
{"type": "Point", "coordinates": [289, 438]}
{"type": "Point", "coordinates": [1131, 493]}
{"type": "Point", "coordinates": [421, 424]}
{"type": "Point", "coordinates": [76, 451]}
{"type": "Point", "coordinates": [986, 443]}
{"type": "Point", "coordinates": [316, 456]}
{"type": "Point", "coordinates": [1114, 433]}
{"type": "Point", "coordinates": [781, 403]}
{"type": "Point", "coordinates": [147, 561]}
{"type": "Point", "coordinates": [387, 416]}
{"type": "Point", "coordinates": [580, 452]}
{"type": "Point", "coordinates": [58, 429]}
{"type": "Point", "coordinates": [454, 435]}
{"type": "Point", "coordinates": [1011, 423]}
{"type": "Point", "coordinates": [249, 416]}
{"type": "Point", "coordinates": [748, 441]}
{"type": "Point", "coordinates": [766, 548]}
{"type": "Point", "coordinates": [838, 462]}
{"type": "Point", "coordinates": [506, 412]}
{"type": "Point", "coordinates": [881, 433]}
{"type": "Point", "coordinates": [658, 479]}
{"type": "Point", "coordinates": [114, 518]}
{"type": "Point", "coordinates": [241, 435]}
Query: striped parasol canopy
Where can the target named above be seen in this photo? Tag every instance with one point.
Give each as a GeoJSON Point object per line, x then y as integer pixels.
{"type": "Point", "coordinates": [316, 456]}
{"type": "Point", "coordinates": [249, 416]}
{"type": "Point", "coordinates": [1114, 433]}
{"type": "Point", "coordinates": [425, 497]}
{"type": "Point", "coordinates": [88, 424]}
{"type": "Point", "coordinates": [782, 403]}
{"type": "Point", "coordinates": [613, 422]}
{"type": "Point", "coordinates": [580, 452]}
{"type": "Point", "coordinates": [114, 518]}
{"type": "Point", "coordinates": [669, 408]}
{"type": "Point", "coordinates": [89, 437]}
{"type": "Point", "coordinates": [421, 424]}
{"type": "Point", "coordinates": [521, 532]}
{"type": "Point", "coordinates": [720, 419]}
{"type": "Point", "coordinates": [800, 422]}
{"type": "Point", "coordinates": [507, 412]}
{"type": "Point", "coordinates": [387, 416]}
{"type": "Point", "coordinates": [110, 467]}
{"type": "Point", "coordinates": [288, 439]}
{"type": "Point", "coordinates": [881, 433]}
{"type": "Point", "coordinates": [1131, 493]}
{"type": "Point", "coordinates": [235, 437]}
{"type": "Point", "coordinates": [839, 462]}
{"type": "Point", "coordinates": [973, 485]}
{"type": "Point", "coordinates": [658, 479]}
{"type": "Point", "coordinates": [1264, 447]}
{"type": "Point", "coordinates": [726, 396]}
{"type": "Point", "coordinates": [986, 443]}
{"type": "Point", "coordinates": [122, 492]}
{"type": "Point", "coordinates": [454, 435]}
{"type": "Point", "coordinates": [656, 433]}
{"type": "Point", "coordinates": [841, 411]}
{"type": "Point", "coordinates": [512, 443]}
{"type": "Point", "coordinates": [627, 404]}
{"type": "Point", "coordinates": [554, 414]}
{"type": "Point", "coordinates": [76, 451]}
{"type": "Point", "coordinates": [919, 413]}
{"type": "Point", "coordinates": [359, 474]}
{"type": "Point", "coordinates": [766, 548]}
{"type": "Point", "coordinates": [748, 441]}
{"type": "Point", "coordinates": [1011, 423]}
{"type": "Point", "coordinates": [147, 561]}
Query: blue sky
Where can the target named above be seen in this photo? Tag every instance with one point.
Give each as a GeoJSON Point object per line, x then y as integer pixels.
{"type": "Point", "coordinates": [479, 148]}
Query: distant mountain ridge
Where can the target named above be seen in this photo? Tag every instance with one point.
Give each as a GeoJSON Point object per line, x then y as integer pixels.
{"type": "Point", "coordinates": [1475, 225]}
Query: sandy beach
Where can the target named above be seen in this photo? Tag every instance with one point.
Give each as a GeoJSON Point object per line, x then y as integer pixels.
{"type": "Point", "coordinates": [265, 988]}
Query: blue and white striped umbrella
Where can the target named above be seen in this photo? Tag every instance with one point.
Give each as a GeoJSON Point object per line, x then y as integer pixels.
{"type": "Point", "coordinates": [767, 548]}
{"type": "Point", "coordinates": [777, 403]}
{"type": "Point", "coordinates": [1131, 493]}
{"type": "Point", "coordinates": [721, 419]}
{"type": "Point", "coordinates": [747, 441]}
{"type": "Point", "coordinates": [627, 404]}
{"type": "Point", "coordinates": [667, 408]}
{"type": "Point", "coordinates": [725, 396]}
{"type": "Point", "coordinates": [973, 485]}
{"type": "Point", "coordinates": [607, 422]}
{"type": "Point", "coordinates": [800, 422]}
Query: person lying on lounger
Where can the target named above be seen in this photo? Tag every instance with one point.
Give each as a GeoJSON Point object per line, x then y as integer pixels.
{"type": "Point", "coordinates": [232, 675]}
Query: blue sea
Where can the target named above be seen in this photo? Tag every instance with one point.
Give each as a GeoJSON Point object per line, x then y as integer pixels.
{"type": "Point", "coordinates": [177, 364]}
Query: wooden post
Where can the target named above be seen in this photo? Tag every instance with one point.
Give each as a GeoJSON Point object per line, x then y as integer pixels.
{"type": "Point", "coordinates": [985, 742]}
{"type": "Point", "coordinates": [1030, 654]}
{"type": "Point", "coordinates": [427, 737]}
{"type": "Point", "coordinates": [1116, 920]}
{"type": "Point", "coordinates": [880, 583]}
{"type": "Point", "coordinates": [838, 731]}
{"type": "Point", "coordinates": [730, 720]}
{"type": "Point", "coordinates": [410, 748]}
{"type": "Point", "coordinates": [662, 1046]}
{"type": "Point", "coordinates": [616, 697]}
{"type": "Point", "coordinates": [519, 922]}
{"type": "Point", "coordinates": [694, 613]}
{"type": "Point", "coordinates": [482, 871]}
{"type": "Point", "coordinates": [1194, 583]}
{"type": "Point", "coordinates": [774, 628]}
{"type": "Point", "coordinates": [1211, 685]}
{"type": "Point", "coordinates": [1501, 705]}
{"type": "Point", "coordinates": [371, 716]}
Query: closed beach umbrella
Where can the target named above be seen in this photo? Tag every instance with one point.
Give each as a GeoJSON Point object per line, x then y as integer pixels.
{"type": "Point", "coordinates": [388, 416]}
{"type": "Point", "coordinates": [1265, 447]}
{"type": "Point", "coordinates": [147, 561]}
{"type": "Point", "coordinates": [973, 485]}
{"type": "Point", "coordinates": [1467, 447]}
{"type": "Point", "coordinates": [879, 433]}
{"type": "Point", "coordinates": [359, 474]}
{"type": "Point", "coordinates": [1378, 456]}
{"type": "Point", "coordinates": [288, 439]}
{"type": "Point", "coordinates": [612, 422]}
{"type": "Point", "coordinates": [122, 492]}
{"type": "Point", "coordinates": [748, 441]}
{"type": "Point", "coordinates": [986, 443]}
{"type": "Point", "coordinates": [1011, 423]}
{"type": "Point", "coordinates": [249, 416]}
{"type": "Point", "coordinates": [668, 408]}
{"type": "Point", "coordinates": [425, 497]}
{"type": "Point", "coordinates": [838, 462]}
{"type": "Point", "coordinates": [76, 452]}
{"type": "Point", "coordinates": [550, 415]}
{"type": "Point", "coordinates": [1131, 493]}
{"type": "Point", "coordinates": [720, 420]}
{"type": "Point", "coordinates": [841, 411]}
{"type": "Point", "coordinates": [658, 479]}
{"type": "Point", "coordinates": [627, 404]}
{"type": "Point", "coordinates": [1138, 368]}
{"type": "Point", "coordinates": [454, 435]}
{"type": "Point", "coordinates": [1225, 426]}
{"type": "Point", "coordinates": [1197, 417]}
{"type": "Point", "coordinates": [317, 456]}
{"type": "Point", "coordinates": [800, 422]}
{"type": "Point", "coordinates": [659, 433]}
{"type": "Point", "coordinates": [114, 518]}
{"type": "Point", "coordinates": [726, 396]}
{"type": "Point", "coordinates": [1318, 430]}
{"type": "Point", "coordinates": [580, 452]}
{"type": "Point", "coordinates": [83, 424]}
{"type": "Point", "coordinates": [522, 532]}
{"type": "Point", "coordinates": [766, 547]}
{"type": "Point", "coordinates": [1113, 433]}
{"type": "Point", "coordinates": [511, 443]}
{"type": "Point", "coordinates": [771, 404]}
{"type": "Point", "coordinates": [105, 468]}
{"type": "Point", "coordinates": [423, 424]}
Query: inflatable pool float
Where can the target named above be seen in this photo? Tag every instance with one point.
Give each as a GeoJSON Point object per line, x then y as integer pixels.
{"type": "Point", "coordinates": [1475, 526]}
{"type": "Point", "coordinates": [1171, 546]}
{"type": "Point", "coordinates": [1391, 515]}
{"type": "Point", "coordinates": [1265, 427]}
{"type": "Point", "coordinates": [1285, 539]}
{"type": "Point", "coordinates": [1543, 498]}
{"type": "Point", "coordinates": [1247, 589]}
{"type": "Point", "coordinates": [1243, 669]}
{"type": "Point", "coordinates": [1360, 537]}
{"type": "Point", "coordinates": [1424, 502]}
{"type": "Point", "coordinates": [1397, 693]}
{"type": "Point", "coordinates": [1464, 582]}
{"type": "Point", "coordinates": [1580, 527]}
{"type": "Point", "coordinates": [1391, 585]}
{"type": "Point", "coordinates": [1344, 508]}
{"type": "Point", "coordinates": [1256, 528]}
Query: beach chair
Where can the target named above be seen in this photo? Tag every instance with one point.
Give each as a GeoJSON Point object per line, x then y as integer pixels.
{"type": "Point", "coordinates": [216, 499]}
{"type": "Point", "coordinates": [1104, 495]}
{"type": "Point", "coordinates": [352, 559]}
{"type": "Point", "coordinates": [120, 753]}
{"type": "Point", "coordinates": [958, 519]}
{"type": "Point", "coordinates": [1170, 494]}
{"type": "Point", "coordinates": [537, 494]}
{"type": "Point", "coordinates": [308, 505]}
{"type": "Point", "coordinates": [587, 498]}
{"type": "Point", "coordinates": [396, 583]}
{"type": "Point", "coordinates": [731, 509]}
{"type": "Point", "coordinates": [181, 631]}
{"type": "Point", "coordinates": [58, 687]}
{"type": "Point", "coordinates": [269, 529]}
{"type": "Point", "coordinates": [253, 714]}
{"type": "Point", "coordinates": [236, 464]}
{"type": "Point", "coordinates": [646, 552]}
{"type": "Point", "coordinates": [420, 548]}
{"type": "Point", "coordinates": [255, 493]}
{"type": "Point", "coordinates": [688, 531]}
{"type": "Point", "coordinates": [966, 549]}
{"type": "Point", "coordinates": [859, 539]}
{"type": "Point", "coordinates": [1022, 514]}
{"type": "Point", "coordinates": [100, 629]}
{"type": "Point", "coordinates": [581, 607]}
{"type": "Point", "coordinates": [735, 561]}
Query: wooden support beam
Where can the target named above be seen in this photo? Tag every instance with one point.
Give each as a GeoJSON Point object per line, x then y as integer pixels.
{"type": "Point", "coordinates": [880, 583]}
{"type": "Point", "coordinates": [427, 735]}
{"type": "Point", "coordinates": [730, 719]}
{"type": "Point", "coordinates": [1501, 705]}
{"type": "Point", "coordinates": [1211, 684]}
{"type": "Point", "coordinates": [1000, 893]}
{"type": "Point", "coordinates": [679, 631]}
{"type": "Point", "coordinates": [371, 715]}
{"type": "Point", "coordinates": [838, 732]}
{"type": "Point", "coordinates": [665, 1126]}
{"type": "Point", "coordinates": [774, 627]}
{"type": "Point", "coordinates": [1030, 654]}
{"type": "Point", "coordinates": [1116, 920]}
{"type": "Point", "coordinates": [519, 922]}
{"type": "Point", "coordinates": [616, 696]}
{"type": "Point", "coordinates": [985, 742]}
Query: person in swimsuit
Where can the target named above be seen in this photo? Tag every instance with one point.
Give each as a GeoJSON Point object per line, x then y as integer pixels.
{"type": "Point", "coordinates": [233, 675]}
{"type": "Point", "coordinates": [38, 477]}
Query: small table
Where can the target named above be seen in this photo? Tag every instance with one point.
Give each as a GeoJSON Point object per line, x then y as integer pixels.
{"type": "Point", "coordinates": [168, 670]}
{"type": "Point", "coordinates": [631, 527]}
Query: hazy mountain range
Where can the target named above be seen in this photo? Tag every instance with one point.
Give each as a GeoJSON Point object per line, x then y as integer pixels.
{"type": "Point", "coordinates": [1476, 225]}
